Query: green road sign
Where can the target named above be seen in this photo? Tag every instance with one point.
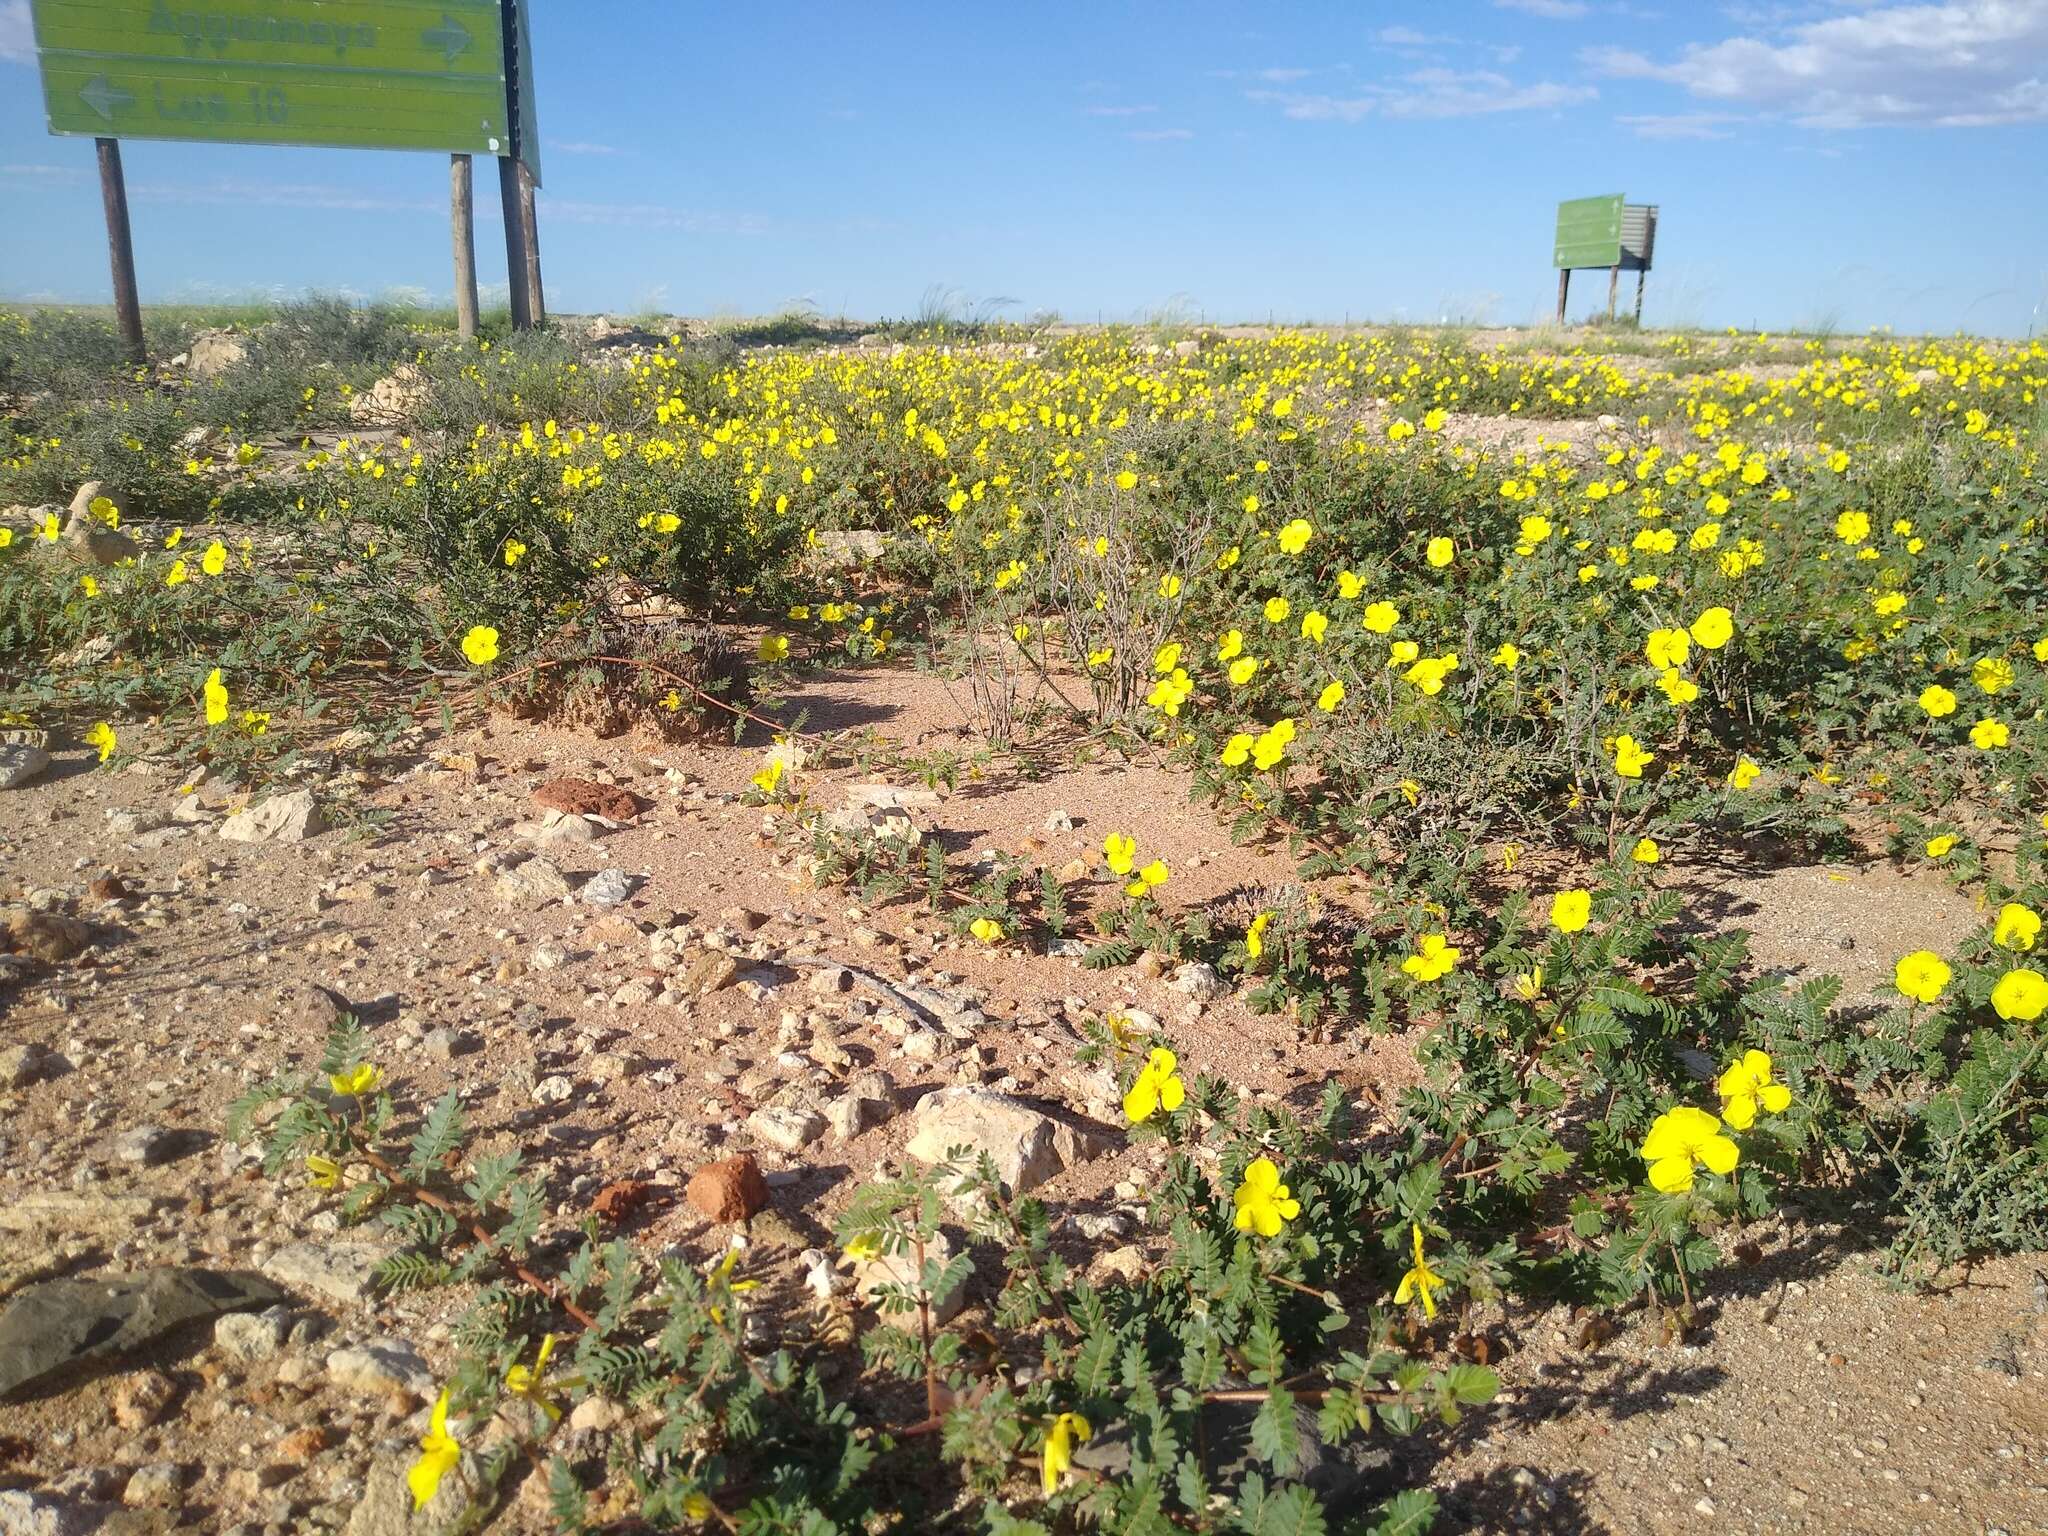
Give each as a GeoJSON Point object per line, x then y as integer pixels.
{"type": "Point", "coordinates": [1588, 232]}
{"type": "Point", "coordinates": [367, 74]}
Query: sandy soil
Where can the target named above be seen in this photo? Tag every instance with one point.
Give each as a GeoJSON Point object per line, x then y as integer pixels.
{"type": "Point", "coordinates": [1816, 1399]}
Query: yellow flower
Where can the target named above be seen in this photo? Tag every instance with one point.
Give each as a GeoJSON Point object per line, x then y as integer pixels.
{"type": "Point", "coordinates": [1921, 975]}
{"type": "Point", "coordinates": [1681, 1140]}
{"type": "Point", "coordinates": [1169, 585]}
{"type": "Point", "coordinates": [1852, 527]}
{"type": "Point", "coordinates": [1678, 688]}
{"type": "Point", "coordinates": [1746, 1087]}
{"type": "Point", "coordinates": [1629, 759]}
{"type": "Point", "coordinates": [1411, 791]}
{"type": "Point", "coordinates": [1120, 852]}
{"type": "Point", "coordinates": [6, 537]}
{"type": "Point", "coordinates": [1295, 536]}
{"type": "Point", "coordinates": [1743, 774]}
{"type": "Point", "coordinates": [1277, 609]}
{"type": "Point", "coordinates": [1420, 1280]}
{"type": "Point", "coordinates": [102, 736]}
{"type": "Point", "coordinates": [1158, 1087]}
{"type": "Point", "coordinates": [322, 1172]}
{"type": "Point", "coordinates": [1263, 1203]}
{"type": "Point", "coordinates": [439, 1454]}
{"type": "Point", "coordinates": [1349, 584]}
{"type": "Point", "coordinates": [769, 777]}
{"type": "Point", "coordinates": [1314, 626]}
{"type": "Point", "coordinates": [1331, 696]}
{"type": "Point", "coordinates": [1434, 958]}
{"type": "Point", "coordinates": [1571, 910]}
{"type": "Point", "coordinates": [1937, 700]}
{"type": "Point", "coordinates": [1255, 935]}
{"type": "Point", "coordinates": [1231, 646]}
{"type": "Point", "coordinates": [2016, 927]}
{"type": "Point", "coordinates": [1987, 735]}
{"type": "Point", "coordinates": [1667, 647]}
{"type": "Point", "coordinates": [986, 929]}
{"type": "Point", "coordinates": [1940, 847]}
{"type": "Point", "coordinates": [1646, 851]}
{"type": "Point", "coordinates": [356, 1081]}
{"type": "Point", "coordinates": [1992, 673]}
{"type": "Point", "coordinates": [216, 698]}
{"type": "Point", "coordinates": [1125, 481]}
{"type": "Point", "coordinates": [513, 550]}
{"type": "Point", "coordinates": [1067, 1429]}
{"type": "Point", "coordinates": [1381, 617]}
{"type": "Point", "coordinates": [215, 560]}
{"type": "Point", "coordinates": [1166, 658]}
{"type": "Point", "coordinates": [176, 575]}
{"type": "Point", "coordinates": [1441, 552]}
{"type": "Point", "coordinates": [864, 1247]}
{"type": "Point", "coordinates": [773, 648]}
{"type": "Point", "coordinates": [480, 645]}
{"type": "Point", "coordinates": [1153, 874]}
{"type": "Point", "coordinates": [1508, 656]}
{"type": "Point", "coordinates": [50, 529]}
{"type": "Point", "coordinates": [2020, 996]}
{"type": "Point", "coordinates": [89, 586]}
{"type": "Point", "coordinates": [1713, 629]}
{"type": "Point", "coordinates": [1238, 750]}
{"type": "Point", "coordinates": [524, 1381]}
{"type": "Point", "coordinates": [1529, 984]}
{"type": "Point", "coordinates": [1243, 670]}
{"type": "Point", "coordinates": [1271, 745]}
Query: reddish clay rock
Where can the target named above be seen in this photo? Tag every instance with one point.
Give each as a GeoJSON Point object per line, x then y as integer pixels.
{"type": "Point", "coordinates": [583, 797]}
{"type": "Point", "coordinates": [731, 1190]}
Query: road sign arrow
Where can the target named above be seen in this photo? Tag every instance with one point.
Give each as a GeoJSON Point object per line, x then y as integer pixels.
{"type": "Point", "coordinates": [451, 37]}
{"type": "Point", "coordinates": [103, 97]}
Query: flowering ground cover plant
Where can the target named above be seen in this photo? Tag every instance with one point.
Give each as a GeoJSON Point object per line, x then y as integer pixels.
{"type": "Point", "coordinates": [1494, 701]}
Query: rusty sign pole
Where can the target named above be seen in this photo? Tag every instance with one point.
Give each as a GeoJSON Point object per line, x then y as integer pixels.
{"type": "Point", "coordinates": [121, 249]}
{"type": "Point", "coordinates": [515, 243]}
{"type": "Point", "coordinates": [516, 180]}
{"type": "Point", "coordinates": [1641, 273]}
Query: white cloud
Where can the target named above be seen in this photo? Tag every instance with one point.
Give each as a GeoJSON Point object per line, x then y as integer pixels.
{"type": "Point", "coordinates": [317, 195]}
{"type": "Point", "coordinates": [17, 33]}
{"type": "Point", "coordinates": [1428, 93]}
{"type": "Point", "coordinates": [652, 216]}
{"type": "Point", "coordinates": [1408, 37]}
{"type": "Point", "coordinates": [1549, 10]}
{"type": "Point", "coordinates": [581, 147]}
{"type": "Point", "coordinates": [1159, 135]}
{"type": "Point", "coordinates": [1680, 125]}
{"type": "Point", "coordinates": [1964, 64]}
{"type": "Point", "coordinates": [1139, 111]}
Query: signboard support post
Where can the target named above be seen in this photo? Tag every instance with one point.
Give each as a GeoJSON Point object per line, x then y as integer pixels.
{"type": "Point", "coordinates": [1564, 284]}
{"type": "Point", "coordinates": [462, 225]}
{"type": "Point", "coordinates": [1641, 274]}
{"type": "Point", "coordinates": [529, 236]}
{"type": "Point", "coordinates": [1613, 285]}
{"type": "Point", "coordinates": [515, 243]}
{"type": "Point", "coordinates": [121, 248]}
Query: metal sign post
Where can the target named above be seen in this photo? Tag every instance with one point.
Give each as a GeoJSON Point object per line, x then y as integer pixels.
{"type": "Point", "coordinates": [449, 75]}
{"type": "Point", "coordinates": [121, 249]}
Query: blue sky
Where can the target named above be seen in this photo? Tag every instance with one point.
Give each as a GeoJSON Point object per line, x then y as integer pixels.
{"type": "Point", "coordinates": [1826, 163]}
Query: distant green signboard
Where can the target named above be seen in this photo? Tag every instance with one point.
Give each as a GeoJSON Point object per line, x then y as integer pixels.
{"type": "Point", "coordinates": [1588, 232]}
{"type": "Point", "coordinates": [358, 74]}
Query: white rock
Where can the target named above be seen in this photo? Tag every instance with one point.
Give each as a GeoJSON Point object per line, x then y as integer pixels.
{"type": "Point", "coordinates": [290, 818]}
{"type": "Point", "coordinates": [387, 1365]}
{"type": "Point", "coordinates": [785, 1129]}
{"type": "Point", "coordinates": [530, 886]}
{"type": "Point", "coordinates": [1026, 1146]}
{"type": "Point", "coordinates": [20, 762]}
{"type": "Point", "coordinates": [870, 1276]}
